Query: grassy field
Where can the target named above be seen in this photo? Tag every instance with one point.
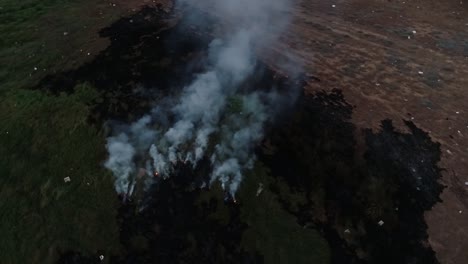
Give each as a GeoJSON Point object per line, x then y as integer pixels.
{"type": "Point", "coordinates": [45, 138]}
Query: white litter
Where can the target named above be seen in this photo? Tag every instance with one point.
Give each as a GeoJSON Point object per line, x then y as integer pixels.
{"type": "Point", "coordinates": [460, 211]}
{"type": "Point", "coordinates": [381, 223]}
{"type": "Point", "coordinates": [333, 6]}
{"type": "Point", "coordinates": [65, 33]}
{"type": "Point", "coordinates": [414, 31]}
{"type": "Point", "coordinates": [466, 183]}
{"type": "Point", "coordinates": [101, 257]}
{"type": "Point", "coordinates": [67, 179]}
{"type": "Point", "coordinates": [260, 189]}
{"type": "Point", "coordinates": [347, 231]}
{"type": "Point", "coordinates": [35, 68]}
{"type": "Point", "coordinates": [420, 72]}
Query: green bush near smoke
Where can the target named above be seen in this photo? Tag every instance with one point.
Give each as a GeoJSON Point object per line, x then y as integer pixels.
{"type": "Point", "coordinates": [235, 104]}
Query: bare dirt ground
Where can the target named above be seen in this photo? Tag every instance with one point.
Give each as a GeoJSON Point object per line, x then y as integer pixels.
{"type": "Point", "coordinates": [402, 61]}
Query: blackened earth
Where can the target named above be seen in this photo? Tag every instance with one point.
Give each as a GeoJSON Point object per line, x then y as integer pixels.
{"type": "Point", "coordinates": [347, 181]}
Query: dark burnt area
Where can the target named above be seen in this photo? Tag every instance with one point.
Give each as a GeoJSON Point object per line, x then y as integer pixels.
{"type": "Point", "coordinates": [173, 225]}
{"type": "Point", "coordinates": [316, 154]}
{"type": "Point", "coordinates": [148, 57]}
{"type": "Point", "coordinates": [177, 229]}
{"type": "Point", "coordinates": [395, 181]}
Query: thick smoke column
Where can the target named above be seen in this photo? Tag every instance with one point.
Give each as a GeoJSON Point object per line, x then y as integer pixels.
{"type": "Point", "coordinates": [211, 116]}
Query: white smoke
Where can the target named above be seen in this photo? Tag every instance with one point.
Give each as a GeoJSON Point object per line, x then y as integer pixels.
{"type": "Point", "coordinates": [203, 113]}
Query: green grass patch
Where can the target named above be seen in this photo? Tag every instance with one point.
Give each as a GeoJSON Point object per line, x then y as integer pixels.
{"type": "Point", "coordinates": [44, 139]}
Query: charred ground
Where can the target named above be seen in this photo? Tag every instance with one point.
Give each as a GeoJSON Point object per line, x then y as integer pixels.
{"type": "Point", "coordinates": [325, 174]}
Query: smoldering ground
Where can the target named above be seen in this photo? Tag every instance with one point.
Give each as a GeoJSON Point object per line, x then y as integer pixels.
{"type": "Point", "coordinates": [218, 115]}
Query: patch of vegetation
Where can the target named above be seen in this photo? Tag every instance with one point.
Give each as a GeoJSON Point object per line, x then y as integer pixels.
{"type": "Point", "coordinates": [44, 139]}
{"type": "Point", "coordinates": [272, 230]}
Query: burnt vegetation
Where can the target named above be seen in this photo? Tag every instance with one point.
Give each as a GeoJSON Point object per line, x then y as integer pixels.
{"type": "Point", "coordinates": [348, 194]}
{"type": "Point", "coordinates": [345, 188]}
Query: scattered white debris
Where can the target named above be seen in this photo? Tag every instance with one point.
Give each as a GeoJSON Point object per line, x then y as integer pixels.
{"type": "Point", "coordinates": [89, 53]}
{"type": "Point", "coordinates": [420, 72]}
{"type": "Point", "coordinates": [333, 6]}
{"type": "Point", "coordinates": [381, 223]}
{"type": "Point", "coordinates": [466, 183]}
{"type": "Point", "coordinates": [414, 31]}
{"type": "Point", "coordinates": [65, 33]}
{"type": "Point", "coordinates": [457, 112]}
{"type": "Point", "coordinates": [347, 231]}
{"type": "Point", "coordinates": [260, 189]}
{"type": "Point", "coordinates": [449, 152]}
{"type": "Point", "coordinates": [409, 37]}
{"type": "Point", "coordinates": [460, 211]}
{"type": "Point", "coordinates": [67, 179]}
{"type": "Point", "coordinates": [131, 20]}
{"type": "Point", "coordinates": [101, 257]}
{"type": "Point", "coordinates": [35, 68]}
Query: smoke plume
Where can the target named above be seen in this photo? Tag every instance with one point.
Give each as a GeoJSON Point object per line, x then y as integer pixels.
{"type": "Point", "coordinates": [213, 117]}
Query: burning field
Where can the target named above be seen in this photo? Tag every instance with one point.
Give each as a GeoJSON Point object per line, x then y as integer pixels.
{"type": "Point", "coordinates": [210, 145]}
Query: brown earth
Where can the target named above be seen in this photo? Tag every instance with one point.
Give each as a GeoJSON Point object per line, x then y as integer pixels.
{"type": "Point", "coordinates": [399, 61]}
